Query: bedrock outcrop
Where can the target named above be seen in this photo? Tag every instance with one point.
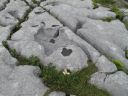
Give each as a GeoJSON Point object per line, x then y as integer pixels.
{"type": "Point", "coordinates": [66, 34]}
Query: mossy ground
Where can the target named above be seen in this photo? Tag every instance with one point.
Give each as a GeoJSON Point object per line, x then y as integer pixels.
{"type": "Point", "coordinates": [108, 19]}
{"type": "Point", "coordinates": [74, 83]}
{"type": "Point", "coordinates": [104, 2]}
{"type": "Point", "coordinates": [110, 3]}
{"type": "Point", "coordinates": [115, 6]}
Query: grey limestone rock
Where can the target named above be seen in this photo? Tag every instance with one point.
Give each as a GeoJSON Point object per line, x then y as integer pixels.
{"type": "Point", "coordinates": [66, 33]}
{"type": "Point", "coordinates": [116, 84]}
{"type": "Point", "coordinates": [3, 4]}
{"type": "Point", "coordinates": [104, 65]}
{"type": "Point", "coordinates": [68, 57]}
{"type": "Point", "coordinates": [108, 38]}
{"type": "Point", "coordinates": [76, 3]}
{"type": "Point", "coordinates": [101, 13]}
{"type": "Point", "coordinates": [22, 81]}
{"type": "Point", "coordinates": [28, 48]}
{"type": "Point", "coordinates": [6, 58]}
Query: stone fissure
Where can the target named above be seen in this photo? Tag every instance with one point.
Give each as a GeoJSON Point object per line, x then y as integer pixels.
{"type": "Point", "coordinates": [25, 17]}
{"type": "Point", "coordinates": [12, 52]}
{"type": "Point", "coordinates": [67, 51]}
{"type": "Point", "coordinates": [78, 26]}
{"type": "Point", "coordinates": [18, 26]}
{"type": "Point", "coordinates": [28, 4]}
{"type": "Point", "coordinates": [5, 4]}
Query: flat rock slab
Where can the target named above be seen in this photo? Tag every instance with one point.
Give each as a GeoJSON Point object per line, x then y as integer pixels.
{"type": "Point", "coordinates": [66, 34]}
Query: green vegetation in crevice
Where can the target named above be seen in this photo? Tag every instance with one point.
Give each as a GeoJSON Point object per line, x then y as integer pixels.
{"type": "Point", "coordinates": [27, 3]}
{"type": "Point", "coordinates": [126, 53]}
{"type": "Point", "coordinates": [33, 60]}
{"type": "Point", "coordinates": [120, 66]}
{"type": "Point", "coordinates": [106, 3]}
{"type": "Point", "coordinates": [36, 2]}
{"type": "Point", "coordinates": [95, 4]}
{"type": "Point", "coordinates": [25, 17]}
{"type": "Point", "coordinates": [73, 83]}
{"type": "Point", "coordinates": [114, 5]}
{"type": "Point", "coordinates": [119, 14]}
{"type": "Point", "coordinates": [20, 21]}
{"type": "Point", "coordinates": [110, 3]}
{"type": "Point", "coordinates": [108, 19]}
{"type": "Point", "coordinates": [121, 4]}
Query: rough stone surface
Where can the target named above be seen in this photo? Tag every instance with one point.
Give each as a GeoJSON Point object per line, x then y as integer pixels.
{"type": "Point", "coordinates": [5, 57]}
{"type": "Point", "coordinates": [27, 48]}
{"type": "Point", "coordinates": [68, 57]}
{"type": "Point", "coordinates": [116, 84]}
{"type": "Point", "coordinates": [10, 16]}
{"type": "Point", "coordinates": [20, 80]}
{"type": "Point", "coordinates": [108, 38]}
{"type": "Point", "coordinates": [66, 33]}
{"type": "Point", "coordinates": [91, 52]}
{"type": "Point", "coordinates": [104, 65]}
{"type": "Point", "coordinates": [3, 4]}
{"type": "Point", "coordinates": [101, 13]}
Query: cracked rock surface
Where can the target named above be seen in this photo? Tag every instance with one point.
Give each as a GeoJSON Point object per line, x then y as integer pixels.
{"type": "Point", "coordinates": [66, 34]}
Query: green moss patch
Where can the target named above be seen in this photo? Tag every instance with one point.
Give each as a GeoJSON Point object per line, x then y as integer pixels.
{"type": "Point", "coordinates": [120, 66]}
{"type": "Point", "coordinates": [110, 3]}
{"type": "Point", "coordinates": [108, 19]}
{"type": "Point", "coordinates": [119, 14]}
{"type": "Point", "coordinates": [104, 2]}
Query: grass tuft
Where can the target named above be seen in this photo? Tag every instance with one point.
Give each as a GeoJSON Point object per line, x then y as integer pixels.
{"type": "Point", "coordinates": [108, 19]}
{"type": "Point", "coordinates": [95, 5]}
{"type": "Point", "coordinates": [73, 83]}
{"type": "Point", "coordinates": [33, 60]}
{"type": "Point", "coordinates": [119, 14]}
{"type": "Point", "coordinates": [110, 3]}
{"type": "Point", "coordinates": [104, 2]}
{"type": "Point", "coordinates": [120, 66]}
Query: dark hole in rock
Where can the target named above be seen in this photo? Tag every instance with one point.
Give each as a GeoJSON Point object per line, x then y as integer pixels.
{"type": "Point", "coordinates": [7, 17]}
{"type": "Point", "coordinates": [79, 25]}
{"type": "Point", "coordinates": [34, 25]}
{"type": "Point", "coordinates": [55, 25]}
{"type": "Point", "coordinates": [66, 52]}
{"type": "Point", "coordinates": [52, 41]}
{"type": "Point", "coordinates": [39, 12]}
{"type": "Point", "coordinates": [43, 22]}
{"type": "Point", "coordinates": [56, 34]}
